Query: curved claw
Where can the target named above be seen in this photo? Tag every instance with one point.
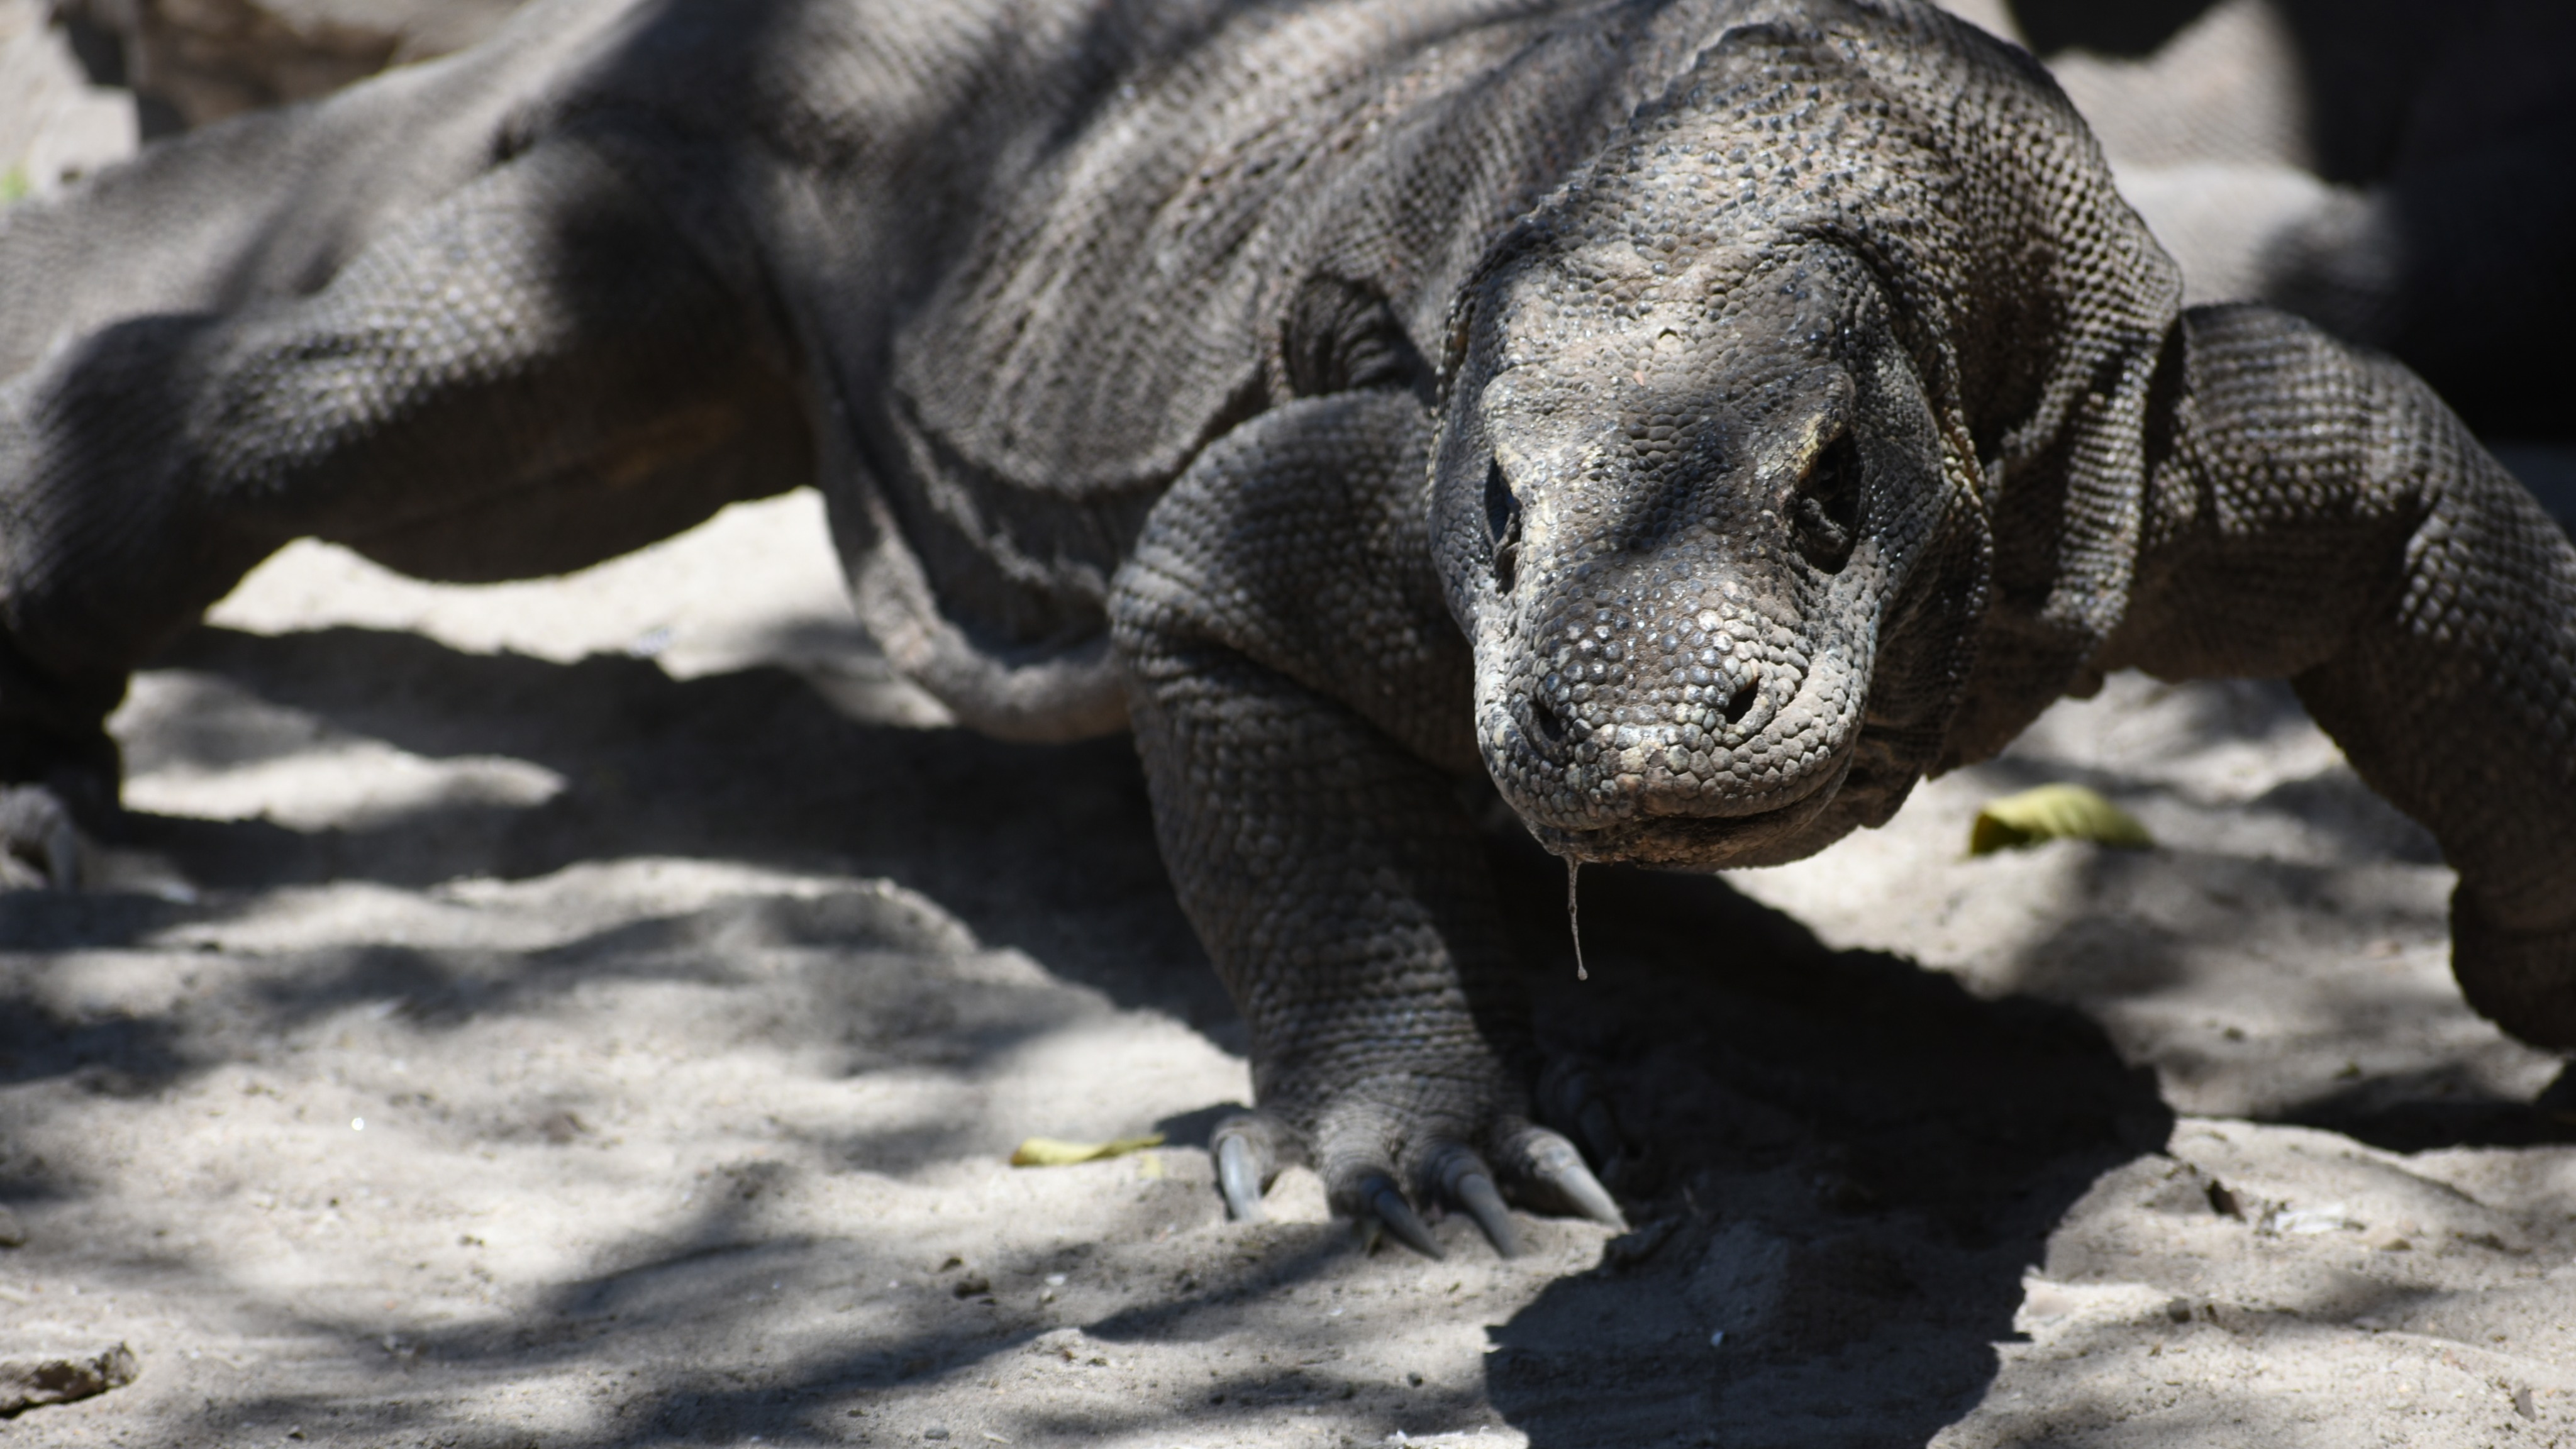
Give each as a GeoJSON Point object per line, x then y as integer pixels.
{"type": "Point", "coordinates": [1551, 1163]}
{"type": "Point", "coordinates": [1386, 1205]}
{"type": "Point", "coordinates": [1475, 1192]}
{"type": "Point", "coordinates": [1238, 1176]}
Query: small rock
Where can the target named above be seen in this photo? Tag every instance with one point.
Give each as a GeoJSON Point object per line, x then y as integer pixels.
{"type": "Point", "coordinates": [934, 1432]}
{"type": "Point", "coordinates": [1631, 1248]}
{"type": "Point", "coordinates": [13, 1234]}
{"type": "Point", "coordinates": [973, 1285]}
{"type": "Point", "coordinates": [36, 1380]}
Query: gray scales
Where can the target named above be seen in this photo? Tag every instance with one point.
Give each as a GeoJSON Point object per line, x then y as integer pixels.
{"type": "Point", "coordinates": [1703, 419]}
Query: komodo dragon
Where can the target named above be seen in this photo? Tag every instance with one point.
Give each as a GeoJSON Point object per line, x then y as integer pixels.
{"type": "Point", "coordinates": [1704, 416]}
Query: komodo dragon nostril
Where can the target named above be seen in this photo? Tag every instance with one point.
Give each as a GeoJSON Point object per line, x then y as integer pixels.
{"type": "Point", "coordinates": [1741, 703]}
{"type": "Point", "coordinates": [1544, 719]}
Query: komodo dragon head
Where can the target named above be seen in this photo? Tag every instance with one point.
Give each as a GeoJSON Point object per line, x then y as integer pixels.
{"type": "Point", "coordinates": [1707, 494]}
{"type": "Point", "coordinates": [1695, 495]}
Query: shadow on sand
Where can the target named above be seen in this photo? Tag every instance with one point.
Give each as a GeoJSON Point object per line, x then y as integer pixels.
{"type": "Point", "coordinates": [1844, 1163]}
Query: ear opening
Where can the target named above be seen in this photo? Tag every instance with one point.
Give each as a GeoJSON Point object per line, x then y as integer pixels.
{"type": "Point", "coordinates": [1825, 511]}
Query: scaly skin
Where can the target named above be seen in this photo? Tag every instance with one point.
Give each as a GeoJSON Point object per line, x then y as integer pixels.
{"type": "Point", "coordinates": [1704, 416]}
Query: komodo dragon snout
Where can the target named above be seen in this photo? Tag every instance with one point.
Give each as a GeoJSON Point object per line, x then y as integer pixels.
{"type": "Point", "coordinates": [1676, 497]}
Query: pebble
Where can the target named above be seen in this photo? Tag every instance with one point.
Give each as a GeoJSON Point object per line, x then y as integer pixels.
{"type": "Point", "coordinates": [29, 1382]}
{"type": "Point", "coordinates": [13, 1234]}
{"type": "Point", "coordinates": [1636, 1246]}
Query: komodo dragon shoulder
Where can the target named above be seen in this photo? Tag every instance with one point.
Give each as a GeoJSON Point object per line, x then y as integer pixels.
{"type": "Point", "coordinates": [1701, 417]}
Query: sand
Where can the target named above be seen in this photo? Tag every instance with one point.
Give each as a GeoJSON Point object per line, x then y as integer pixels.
{"type": "Point", "coordinates": [599, 1011]}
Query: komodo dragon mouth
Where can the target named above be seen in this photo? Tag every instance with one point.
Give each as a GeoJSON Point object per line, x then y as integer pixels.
{"type": "Point", "coordinates": [1701, 842]}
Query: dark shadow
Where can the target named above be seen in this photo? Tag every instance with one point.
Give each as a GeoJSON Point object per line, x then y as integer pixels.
{"type": "Point", "coordinates": [2423, 1112]}
{"type": "Point", "coordinates": [2129, 28]}
{"type": "Point", "coordinates": [113, 1053]}
{"type": "Point", "coordinates": [2457, 116]}
{"type": "Point", "coordinates": [2096, 958]}
{"type": "Point", "coordinates": [1194, 1129]}
{"type": "Point", "coordinates": [711, 1280]}
{"type": "Point", "coordinates": [48, 921]}
{"type": "Point", "coordinates": [884, 1001]}
{"type": "Point", "coordinates": [99, 51]}
{"type": "Point", "coordinates": [1912, 1144]}
{"type": "Point", "coordinates": [2362, 822]}
{"type": "Point", "coordinates": [2549, 472]}
{"type": "Point", "coordinates": [107, 1051]}
{"type": "Point", "coordinates": [1907, 1145]}
{"type": "Point", "coordinates": [1049, 848]}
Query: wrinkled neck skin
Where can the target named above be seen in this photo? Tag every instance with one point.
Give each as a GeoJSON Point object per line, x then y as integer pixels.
{"type": "Point", "coordinates": [1679, 500]}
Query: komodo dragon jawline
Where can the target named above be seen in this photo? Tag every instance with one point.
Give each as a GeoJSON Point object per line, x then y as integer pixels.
{"type": "Point", "coordinates": [1705, 416]}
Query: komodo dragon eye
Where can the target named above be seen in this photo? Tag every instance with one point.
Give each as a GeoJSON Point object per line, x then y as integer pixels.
{"type": "Point", "coordinates": [1503, 523]}
{"type": "Point", "coordinates": [1826, 508]}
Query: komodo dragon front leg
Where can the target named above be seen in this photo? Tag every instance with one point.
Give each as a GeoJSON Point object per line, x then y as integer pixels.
{"type": "Point", "coordinates": [2323, 517]}
{"type": "Point", "coordinates": [532, 374]}
{"type": "Point", "coordinates": [1300, 696]}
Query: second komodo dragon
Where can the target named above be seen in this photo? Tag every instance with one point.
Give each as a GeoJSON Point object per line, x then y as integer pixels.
{"type": "Point", "coordinates": [1706, 417]}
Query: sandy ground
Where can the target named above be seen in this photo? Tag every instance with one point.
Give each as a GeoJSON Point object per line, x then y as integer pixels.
{"type": "Point", "coordinates": [596, 1013]}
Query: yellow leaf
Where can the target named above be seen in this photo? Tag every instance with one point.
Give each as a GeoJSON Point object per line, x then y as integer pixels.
{"type": "Point", "coordinates": [2055, 812]}
{"type": "Point", "coordinates": [1052, 1152]}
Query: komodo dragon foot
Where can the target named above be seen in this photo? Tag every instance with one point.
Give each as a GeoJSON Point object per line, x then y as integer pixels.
{"type": "Point", "coordinates": [1360, 1138]}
